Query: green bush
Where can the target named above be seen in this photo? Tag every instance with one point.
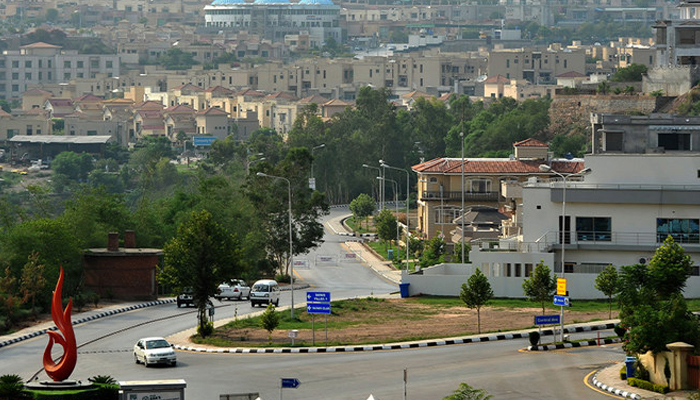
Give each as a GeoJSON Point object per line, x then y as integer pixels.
{"type": "Point", "coordinates": [619, 330]}
{"type": "Point", "coordinates": [646, 385]}
{"type": "Point", "coordinates": [534, 338]}
{"type": "Point", "coordinates": [206, 330]}
{"type": "Point", "coordinates": [623, 373]}
{"type": "Point", "coordinates": [12, 387]}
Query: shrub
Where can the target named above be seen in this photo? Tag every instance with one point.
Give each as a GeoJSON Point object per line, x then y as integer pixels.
{"type": "Point", "coordinates": [11, 387]}
{"type": "Point", "coordinates": [619, 330]}
{"type": "Point", "coordinates": [623, 373]}
{"type": "Point", "coordinates": [206, 329]}
{"type": "Point", "coordinates": [534, 337]}
{"type": "Point", "coordinates": [646, 385]}
{"type": "Point", "coordinates": [640, 371]}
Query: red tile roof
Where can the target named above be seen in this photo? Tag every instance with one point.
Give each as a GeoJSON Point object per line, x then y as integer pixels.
{"type": "Point", "coordinates": [497, 79]}
{"type": "Point", "coordinates": [40, 45]}
{"type": "Point", "coordinates": [180, 108]}
{"type": "Point", "coordinates": [498, 166]}
{"type": "Point", "coordinates": [571, 74]}
{"type": "Point", "coordinates": [212, 111]}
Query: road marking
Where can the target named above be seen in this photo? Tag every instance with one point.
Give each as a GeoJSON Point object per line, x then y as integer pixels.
{"type": "Point", "coordinates": [585, 382]}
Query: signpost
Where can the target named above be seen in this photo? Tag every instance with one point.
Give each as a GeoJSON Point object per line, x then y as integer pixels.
{"type": "Point", "coordinates": [289, 383]}
{"type": "Point", "coordinates": [318, 303]}
{"type": "Point", "coordinates": [561, 286]}
{"type": "Point", "coordinates": [561, 301]}
{"type": "Point", "coordinates": [203, 140]}
{"type": "Point", "coordinates": [547, 319]}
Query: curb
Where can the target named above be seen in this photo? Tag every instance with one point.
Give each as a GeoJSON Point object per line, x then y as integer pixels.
{"type": "Point", "coordinates": [577, 329]}
{"type": "Point", "coordinates": [610, 389]}
{"type": "Point", "coordinates": [396, 346]}
{"type": "Point", "coordinates": [85, 319]}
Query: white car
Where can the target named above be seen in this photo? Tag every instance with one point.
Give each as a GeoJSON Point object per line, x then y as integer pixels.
{"type": "Point", "coordinates": [235, 289]}
{"type": "Point", "coordinates": [154, 350]}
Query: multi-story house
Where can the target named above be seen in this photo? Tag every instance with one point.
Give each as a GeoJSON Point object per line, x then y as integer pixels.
{"type": "Point", "coordinates": [441, 189]}
{"type": "Point", "coordinates": [41, 63]}
{"type": "Point", "coordinates": [538, 66]}
{"type": "Point", "coordinates": [212, 121]}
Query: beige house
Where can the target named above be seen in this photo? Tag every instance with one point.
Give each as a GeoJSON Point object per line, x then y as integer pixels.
{"type": "Point", "coordinates": [212, 121]}
{"type": "Point", "coordinates": [180, 118]}
{"type": "Point", "coordinates": [490, 182]}
{"type": "Point", "coordinates": [538, 66]}
{"type": "Point", "coordinates": [31, 122]}
{"type": "Point", "coordinates": [35, 98]}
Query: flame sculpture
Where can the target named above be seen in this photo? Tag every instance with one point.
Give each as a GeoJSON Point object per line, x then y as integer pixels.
{"type": "Point", "coordinates": [61, 371]}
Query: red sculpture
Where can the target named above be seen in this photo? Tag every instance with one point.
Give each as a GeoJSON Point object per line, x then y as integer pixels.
{"type": "Point", "coordinates": [61, 371]}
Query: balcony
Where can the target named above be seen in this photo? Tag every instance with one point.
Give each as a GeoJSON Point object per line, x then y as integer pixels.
{"type": "Point", "coordinates": [435, 195]}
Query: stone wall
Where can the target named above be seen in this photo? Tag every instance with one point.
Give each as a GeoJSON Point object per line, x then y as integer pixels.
{"type": "Point", "coordinates": [671, 80]}
{"type": "Point", "coordinates": [571, 113]}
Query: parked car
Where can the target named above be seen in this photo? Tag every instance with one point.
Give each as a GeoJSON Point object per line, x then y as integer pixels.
{"type": "Point", "coordinates": [235, 289]}
{"type": "Point", "coordinates": [265, 291]}
{"type": "Point", "coordinates": [154, 350]}
{"type": "Point", "coordinates": [185, 298]}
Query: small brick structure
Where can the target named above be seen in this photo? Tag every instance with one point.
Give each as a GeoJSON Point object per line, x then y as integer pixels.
{"type": "Point", "coordinates": [127, 273]}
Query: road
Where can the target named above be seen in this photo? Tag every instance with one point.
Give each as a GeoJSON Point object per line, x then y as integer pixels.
{"type": "Point", "coordinates": [432, 373]}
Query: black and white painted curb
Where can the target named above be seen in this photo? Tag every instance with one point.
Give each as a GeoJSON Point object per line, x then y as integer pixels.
{"type": "Point", "coordinates": [396, 346]}
{"type": "Point", "coordinates": [577, 329]}
{"type": "Point", "coordinates": [86, 319]}
{"type": "Point", "coordinates": [610, 389]}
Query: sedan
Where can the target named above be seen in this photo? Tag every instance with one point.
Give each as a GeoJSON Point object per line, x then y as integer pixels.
{"type": "Point", "coordinates": [154, 350]}
{"type": "Point", "coordinates": [235, 289]}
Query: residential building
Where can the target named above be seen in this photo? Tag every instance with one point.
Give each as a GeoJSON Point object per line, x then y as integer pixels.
{"type": "Point", "coordinates": [538, 66]}
{"type": "Point", "coordinates": [41, 63]}
{"type": "Point", "coordinates": [212, 121]}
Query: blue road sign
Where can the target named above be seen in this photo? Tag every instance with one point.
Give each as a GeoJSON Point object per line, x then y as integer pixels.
{"type": "Point", "coordinates": [318, 308]}
{"type": "Point", "coordinates": [561, 301]}
{"type": "Point", "coordinates": [547, 319]}
{"type": "Point", "coordinates": [318, 297]}
{"type": "Point", "coordinates": [290, 383]}
{"type": "Point", "coordinates": [203, 140]}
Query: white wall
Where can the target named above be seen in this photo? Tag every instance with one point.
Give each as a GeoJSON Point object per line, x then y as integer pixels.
{"type": "Point", "coordinates": [655, 169]}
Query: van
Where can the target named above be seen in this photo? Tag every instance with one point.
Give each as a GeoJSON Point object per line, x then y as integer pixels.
{"type": "Point", "coordinates": [265, 291]}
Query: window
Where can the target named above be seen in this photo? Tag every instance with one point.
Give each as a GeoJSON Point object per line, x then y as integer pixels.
{"type": "Point", "coordinates": [674, 141]}
{"type": "Point", "coordinates": [15, 64]}
{"type": "Point", "coordinates": [94, 63]}
{"type": "Point", "coordinates": [66, 64]}
{"type": "Point", "coordinates": [81, 64]}
{"type": "Point", "coordinates": [613, 141]}
{"type": "Point", "coordinates": [109, 64]}
{"type": "Point", "coordinates": [15, 76]}
{"type": "Point", "coordinates": [445, 215]}
{"type": "Point", "coordinates": [594, 229]}
{"type": "Point", "coordinates": [682, 230]}
{"type": "Point", "coordinates": [28, 64]}
{"type": "Point", "coordinates": [479, 186]}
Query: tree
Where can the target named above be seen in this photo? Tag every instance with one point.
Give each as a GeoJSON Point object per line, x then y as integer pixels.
{"type": "Point", "coordinates": [32, 281]}
{"type": "Point", "coordinates": [541, 285]}
{"type": "Point", "coordinates": [476, 293]}
{"type": "Point", "coordinates": [434, 252]}
{"type": "Point", "coordinates": [51, 14]}
{"type": "Point", "coordinates": [603, 87]}
{"type": "Point", "coordinates": [201, 256]}
{"type": "Point", "coordinates": [362, 207]}
{"type": "Point", "coordinates": [269, 320]}
{"type": "Point", "coordinates": [651, 301]}
{"type": "Point", "coordinates": [466, 392]}
{"type": "Point", "coordinates": [72, 165]}
{"type": "Point", "coordinates": [177, 59]}
{"type": "Point", "coordinates": [608, 283]}
{"type": "Point", "coordinates": [633, 73]}
{"type": "Point", "coordinates": [386, 225]}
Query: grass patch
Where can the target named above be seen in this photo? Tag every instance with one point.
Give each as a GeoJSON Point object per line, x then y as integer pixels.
{"type": "Point", "coordinates": [361, 226]}
{"type": "Point", "coordinates": [501, 303]}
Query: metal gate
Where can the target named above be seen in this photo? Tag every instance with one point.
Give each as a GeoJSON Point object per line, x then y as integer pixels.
{"type": "Point", "coordinates": [693, 371]}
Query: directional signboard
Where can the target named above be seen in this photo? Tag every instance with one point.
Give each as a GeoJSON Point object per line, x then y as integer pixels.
{"type": "Point", "coordinates": [547, 319]}
{"type": "Point", "coordinates": [203, 140]}
{"type": "Point", "coordinates": [318, 297]}
{"type": "Point", "coordinates": [290, 383]}
{"type": "Point", "coordinates": [561, 301]}
{"type": "Point", "coordinates": [318, 308]}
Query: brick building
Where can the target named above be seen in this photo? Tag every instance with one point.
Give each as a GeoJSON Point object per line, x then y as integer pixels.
{"type": "Point", "coordinates": [127, 273]}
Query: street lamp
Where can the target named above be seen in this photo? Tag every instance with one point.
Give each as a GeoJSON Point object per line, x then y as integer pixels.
{"type": "Point", "coordinates": [564, 230]}
{"type": "Point", "coordinates": [461, 139]}
{"type": "Point", "coordinates": [291, 255]}
{"type": "Point", "coordinates": [249, 162]}
{"type": "Point", "coordinates": [396, 204]}
{"type": "Point", "coordinates": [408, 231]}
{"type": "Point", "coordinates": [379, 171]}
{"type": "Point", "coordinates": [313, 185]}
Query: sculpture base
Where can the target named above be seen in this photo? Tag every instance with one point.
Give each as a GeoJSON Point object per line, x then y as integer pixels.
{"type": "Point", "coordinates": [62, 385]}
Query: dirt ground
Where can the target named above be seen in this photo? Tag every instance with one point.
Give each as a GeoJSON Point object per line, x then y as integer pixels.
{"type": "Point", "coordinates": [403, 321]}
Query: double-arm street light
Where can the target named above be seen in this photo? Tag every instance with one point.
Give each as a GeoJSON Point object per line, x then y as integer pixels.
{"type": "Point", "coordinates": [408, 231]}
{"type": "Point", "coordinates": [564, 230]}
{"type": "Point", "coordinates": [291, 254]}
{"type": "Point", "coordinates": [396, 203]}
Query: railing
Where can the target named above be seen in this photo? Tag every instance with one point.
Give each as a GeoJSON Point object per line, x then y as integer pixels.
{"type": "Point", "coordinates": [457, 195]}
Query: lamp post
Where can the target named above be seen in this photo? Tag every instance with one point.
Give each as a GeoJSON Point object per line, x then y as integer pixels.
{"type": "Point", "coordinates": [249, 162]}
{"type": "Point", "coordinates": [564, 230]}
{"type": "Point", "coordinates": [461, 139]}
{"type": "Point", "coordinates": [408, 231]}
{"type": "Point", "coordinates": [291, 254]}
{"type": "Point", "coordinates": [396, 204]}
{"type": "Point", "coordinates": [379, 171]}
{"type": "Point", "coordinates": [312, 181]}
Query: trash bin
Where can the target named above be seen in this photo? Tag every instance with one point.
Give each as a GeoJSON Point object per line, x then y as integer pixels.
{"type": "Point", "coordinates": [629, 363]}
{"type": "Point", "coordinates": [390, 254]}
{"type": "Point", "coordinates": [403, 288]}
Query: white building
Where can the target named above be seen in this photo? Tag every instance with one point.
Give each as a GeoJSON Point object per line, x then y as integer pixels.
{"type": "Point", "coordinates": [619, 214]}
{"type": "Point", "coordinates": [274, 19]}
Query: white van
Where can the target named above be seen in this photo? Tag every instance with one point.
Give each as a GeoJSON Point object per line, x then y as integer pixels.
{"type": "Point", "coordinates": [265, 291]}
